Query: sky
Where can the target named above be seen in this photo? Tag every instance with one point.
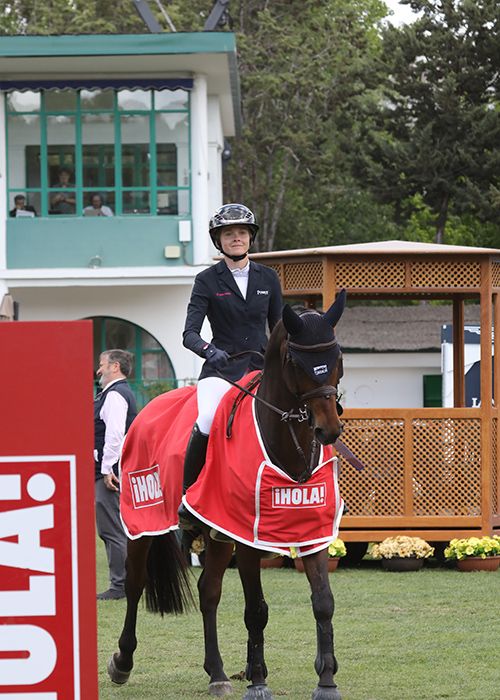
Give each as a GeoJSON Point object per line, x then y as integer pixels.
{"type": "Point", "coordinates": [402, 13]}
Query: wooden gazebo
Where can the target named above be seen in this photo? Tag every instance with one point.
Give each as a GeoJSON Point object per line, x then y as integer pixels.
{"type": "Point", "coordinates": [430, 472]}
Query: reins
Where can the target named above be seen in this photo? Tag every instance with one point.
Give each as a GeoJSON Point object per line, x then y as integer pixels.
{"type": "Point", "coordinates": [285, 416]}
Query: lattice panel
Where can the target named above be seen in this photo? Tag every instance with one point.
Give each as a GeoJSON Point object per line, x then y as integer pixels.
{"type": "Point", "coordinates": [304, 276]}
{"type": "Point", "coordinates": [495, 274]}
{"type": "Point", "coordinates": [378, 489]}
{"type": "Point", "coordinates": [278, 269]}
{"type": "Point", "coordinates": [447, 466]}
{"type": "Point", "coordinates": [494, 468]}
{"type": "Point", "coordinates": [445, 273]}
{"type": "Point", "coordinates": [370, 274]}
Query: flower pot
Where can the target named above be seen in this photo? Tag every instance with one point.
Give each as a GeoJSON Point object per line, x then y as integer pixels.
{"type": "Point", "coordinates": [333, 562]}
{"type": "Point", "coordinates": [402, 564]}
{"type": "Point", "coordinates": [271, 562]}
{"type": "Point", "coordinates": [478, 564]}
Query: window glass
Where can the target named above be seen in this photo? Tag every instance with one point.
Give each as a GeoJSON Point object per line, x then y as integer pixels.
{"type": "Point", "coordinates": [171, 99]}
{"type": "Point", "coordinates": [134, 99]}
{"type": "Point", "coordinates": [61, 136]}
{"type": "Point", "coordinates": [60, 100]}
{"type": "Point", "coordinates": [47, 170]}
{"type": "Point", "coordinates": [136, 202]}
{"type": "Point", "coordinates": [155, 366]}
{"type": "Point", "coordinates": [135, 151]}
{"type": "Point", "coordinates": [97, 99]}
{"type": "Point", "coordinates": [98, 151]}
{"type": "Point", "coordinates": [25, 101]}
{"type": "Point", "coordinates": [24, 134]}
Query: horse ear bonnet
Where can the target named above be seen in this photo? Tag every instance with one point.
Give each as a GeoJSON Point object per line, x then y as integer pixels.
{"type": "Point", "coordinates": [313, 330]}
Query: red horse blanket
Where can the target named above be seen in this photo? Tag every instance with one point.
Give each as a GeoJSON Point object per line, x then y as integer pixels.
{"type": "Point", "coordinates": [240, 492]}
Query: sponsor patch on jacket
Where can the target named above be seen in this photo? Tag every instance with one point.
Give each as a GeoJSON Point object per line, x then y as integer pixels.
{"type": "Point", "coordinates": [223, 294]}
{"type": "Point", "coordinates": [313, 496]}
{"type": "Point", "coordinates": [145, 487]}
{"type": "Point", "coordinates": [263, 291]}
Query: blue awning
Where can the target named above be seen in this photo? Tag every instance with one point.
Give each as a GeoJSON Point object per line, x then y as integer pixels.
{"type": "Point", "coordinates": [93, 83]}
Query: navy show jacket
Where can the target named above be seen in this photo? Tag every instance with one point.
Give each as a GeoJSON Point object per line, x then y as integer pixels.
{"type": "Point", "coordinates": [237, 324]}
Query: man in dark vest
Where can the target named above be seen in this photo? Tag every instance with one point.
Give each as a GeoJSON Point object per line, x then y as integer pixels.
{"type": "Point", "coordinates": [114, 411]}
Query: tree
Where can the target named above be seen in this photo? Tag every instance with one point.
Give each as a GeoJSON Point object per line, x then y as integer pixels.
{"type": "Point", "coordinates": [302, 67]}
{"type": "Point", "coordinates": [70, 17]}
{"type": "Point", "coordinates": [438, 127]}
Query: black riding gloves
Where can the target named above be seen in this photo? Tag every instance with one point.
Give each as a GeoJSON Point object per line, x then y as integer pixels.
{"type": "Point", "coordinates": [216, 358]}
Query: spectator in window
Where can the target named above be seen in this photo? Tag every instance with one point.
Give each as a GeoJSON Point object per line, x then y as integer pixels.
{"type": "Point", "coordinates": [63, 202]}
{"type": "Point", "coordinates": [21, 208]}
{"type": "Point", "coordinates": [97, 208]}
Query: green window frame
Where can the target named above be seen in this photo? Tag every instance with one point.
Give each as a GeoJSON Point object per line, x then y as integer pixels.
{"type": "Point", "coordinates": [155, 188]}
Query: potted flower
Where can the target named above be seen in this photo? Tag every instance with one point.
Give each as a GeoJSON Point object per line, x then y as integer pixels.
{"type": "Point", "coordinates": [475, 553]}
{"type": "Point", "coordinates": [336, 549]}
{"type": "Point", "coordinates": [402, 553]}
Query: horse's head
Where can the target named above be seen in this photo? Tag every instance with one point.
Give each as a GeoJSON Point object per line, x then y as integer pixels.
{"type": "Point", "coordinates": [312, 365]}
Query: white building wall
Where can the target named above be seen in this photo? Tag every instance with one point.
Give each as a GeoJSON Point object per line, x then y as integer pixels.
{"type": "Point", "coordinates": [386, 380]}
{"type": "Point", "coordinates": [159, 310]}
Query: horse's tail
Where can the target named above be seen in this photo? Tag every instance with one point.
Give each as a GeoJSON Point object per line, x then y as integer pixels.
{"type": "Point", "coordinates": [168, 588]}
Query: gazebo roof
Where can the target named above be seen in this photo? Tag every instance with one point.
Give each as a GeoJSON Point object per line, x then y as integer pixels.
{"type": "Point", "coordinates": [383, 248]}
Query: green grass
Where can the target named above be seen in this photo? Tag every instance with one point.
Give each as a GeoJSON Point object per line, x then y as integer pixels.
{"type": "Point", "coordinates": [422, 636]}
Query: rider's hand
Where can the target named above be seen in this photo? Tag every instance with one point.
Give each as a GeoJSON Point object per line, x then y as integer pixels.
{"type": "Point", "coordinates": [216, 358]}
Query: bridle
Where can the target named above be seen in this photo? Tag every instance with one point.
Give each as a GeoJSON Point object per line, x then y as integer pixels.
{"type": "Point", "coordinates": [304, 413]}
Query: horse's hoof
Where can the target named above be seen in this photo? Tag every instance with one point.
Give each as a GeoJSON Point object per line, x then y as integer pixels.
{"type": "Point", "coordinates": [117, 676]}
{"type": "Point", "coordinates": [326, 693]}
{"type": "Point", "coordinates": [258, 692]}
{"type": "Point", "coordinates": [220, 688]}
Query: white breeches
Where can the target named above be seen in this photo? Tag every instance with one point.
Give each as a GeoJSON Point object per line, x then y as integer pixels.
{"type": "Point", "coordinates": [209, 392]}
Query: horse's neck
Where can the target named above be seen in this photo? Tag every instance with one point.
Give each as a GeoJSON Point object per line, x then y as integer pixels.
{"type": "Point", "coordinates": [276, 433]}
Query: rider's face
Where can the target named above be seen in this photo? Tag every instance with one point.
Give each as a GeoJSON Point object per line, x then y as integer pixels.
{"type": "Point", "coordinates": [235, 239]}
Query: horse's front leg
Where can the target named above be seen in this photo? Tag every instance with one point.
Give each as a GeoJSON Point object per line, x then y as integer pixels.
{"type": "Point", "coordinates": [217, 558]}
{"type": "Point", "coordinates": [316, 568]}
{"type": "Point", "coordinates": [121, 663]}
{"type": "Point", "coordinates": [256, 615]}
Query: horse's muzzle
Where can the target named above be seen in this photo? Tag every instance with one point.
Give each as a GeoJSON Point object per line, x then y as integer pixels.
{"type": "Point", "coordinates": [328, 437]}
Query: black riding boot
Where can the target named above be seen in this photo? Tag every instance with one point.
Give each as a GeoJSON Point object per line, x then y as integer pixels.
{"type": "Point", "coordinates": [193, 464]}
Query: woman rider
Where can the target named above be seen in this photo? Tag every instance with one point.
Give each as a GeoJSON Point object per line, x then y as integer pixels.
{"type": "Point", "coordinates": [239, 297]}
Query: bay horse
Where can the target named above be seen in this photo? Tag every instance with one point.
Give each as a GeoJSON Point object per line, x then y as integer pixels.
{"type": "Point", "coordinates": [302, 368]}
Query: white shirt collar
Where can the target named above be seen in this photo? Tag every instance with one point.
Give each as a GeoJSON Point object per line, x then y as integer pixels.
{"type": "Point", "coordinates": [241, 272]}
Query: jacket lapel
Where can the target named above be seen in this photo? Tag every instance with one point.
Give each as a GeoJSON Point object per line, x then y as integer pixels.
{"type": "Point", "coordinates": [253, 280]}
{"type": "Point", "coordinates": [227, 276]}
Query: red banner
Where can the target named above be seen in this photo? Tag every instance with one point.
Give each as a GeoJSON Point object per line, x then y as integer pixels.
{"type": "Point", "coordinates": [48, 641]}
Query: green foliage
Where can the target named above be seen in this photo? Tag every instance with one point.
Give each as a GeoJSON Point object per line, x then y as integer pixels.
{"type": "Point", "coordinates": [437, 129]}
{"type": "Point", "coordinates": [70, 17]}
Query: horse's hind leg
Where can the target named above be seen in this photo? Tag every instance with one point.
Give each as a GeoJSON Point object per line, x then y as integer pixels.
{"type": "Point", "coordinates": [121, 663]}
{"type": "Point", "coordinates": [217, 558]}
{"type": "Point", "coordinates": [256, 615]}
{"type": "Point", "coordinates": [315, 566]}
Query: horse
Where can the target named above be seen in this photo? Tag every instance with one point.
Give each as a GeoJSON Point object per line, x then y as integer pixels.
{"type": "Point", "coordinates": [302, 368]}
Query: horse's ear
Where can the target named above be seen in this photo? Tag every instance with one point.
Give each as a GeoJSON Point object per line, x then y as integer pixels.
{"type": "Point", "coordinates": [336, 309]}
{"type": "Point", "coordinates": [292, 321]}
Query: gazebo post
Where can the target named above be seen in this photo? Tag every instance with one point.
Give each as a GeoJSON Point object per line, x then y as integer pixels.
{"type": "Point", "coordinates": [458, 353]}
{"type": "Point", "coordinates": [496, 393]}
{"type": "Point", "coordinates": [486, 397]}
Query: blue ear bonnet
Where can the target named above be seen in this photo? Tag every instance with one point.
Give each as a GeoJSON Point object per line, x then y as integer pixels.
{"type": "Point", "coordinates": [314, 347]}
